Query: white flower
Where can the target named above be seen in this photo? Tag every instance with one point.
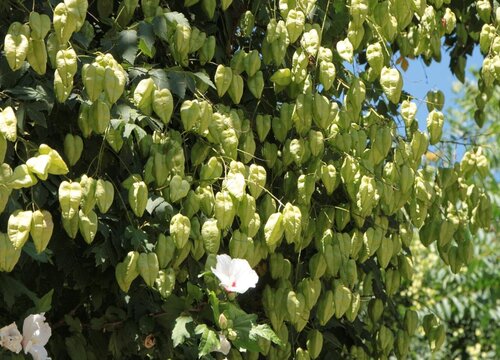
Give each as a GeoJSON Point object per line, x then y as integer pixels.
{"type": "Point", "coordinates": [235, 275]}
{"type": "Point", "coordinates": [36, 334]}
{"type": "Point", "coordinates": [225, 345]}
{"type": "Point", "coordinates": [10, 338]}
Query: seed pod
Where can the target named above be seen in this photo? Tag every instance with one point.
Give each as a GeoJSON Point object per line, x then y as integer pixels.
{"type": "Point", "coordinates": [127, 270]}
{"type": "Point", "coordinates": [78, 11]}
{"type": "Point", "coordinates": [143, 95]}
{"type": "Point", "coordinates": [375, 310]}
{"type": "Point", "coordinates": [9, 254]}
{"type": "Point", "coordinates": [149, 9]}
{"type": "Point", "coordinates": [223, 78]}
{"type": "Point", "coordinates": [224, 210]}
{"type": "Point", "coordinates": [384, 252]}
{"type": "Point", "coordinates": [104, 194]}
{"type": "Point", "coordinates": [93, 80]}
{"type": "Point", "coordinates": [255, 84]}
{"type": "Point", "coordinates": [163, 104]}
{"type": "Point", "coordinates": [22, 177]}
{"type": "Point", "coordinates": [190, 114]}
{"type": "Point", "coordinates": [88, 186]}
{"type": "Point", "coordinates": [263, 125]}
{"type": "Point", "coordinates": [100, 116]}
{"type": "Point", "coordinates": [8, 124]}
{"type": "Point", "coordinates": [41, 229]}
{"type": "Point", "coordinates": [138, 197]}
{"type": "Point", "coordinates": [165, 282]}
{"type": "Point", "coordinates": [70, 195]}
{"type": "Point", "coordinates": [87, 224]}
{"type": "Point", "coordinates": [292, 222]}
{"type": "Point", "coordinates": [37, 56]}
{"type": "Point", "coordinates": [295, 21]}
{"type": "Point", "coordinates": [113, 85]}
{"type": "Point", "coordinates": [211, 236]}
{"type": "Point", "coordinates": [435, 100]}
{"type": "Point", "coordinates": [385, 339]}
{"type": "Point", "coordinates": [207, 51]}
{"type": "Point", "coordinates": [164, 249]}
{"type": "Point", "coordinates": [148, 267]}
{"type": "Point", "coordinates": [180, 227]}
{"type": "Point", "coordinates": [64, 23]}
{"type": "Point", "coordinates": [327, 74]}
{"type": "Point", "coordinates": [317, 266]}
{"type": "Point", "coordinates": [326, 307]}
{"type": "Point", "coordinates": [392, 281]}
{"type": "Point", "coordinates": [16, 45]}
{"type": "Point", "coordinates": [179, 188]}
{"type": "Point", "coordinates": [342, 299]}
{"type": "Point", "coordinates": [274, 229]}
{"type": "Point", "coordinates": [73, 147]}
{"type": "Point", "coordinates": [435, 122]}
{"type": "Point", "coordinates": [40, 25]}
{"type": "Point", "coordinates": [18, 227]}
{"type": "Point", "coordinates": [392, 83]}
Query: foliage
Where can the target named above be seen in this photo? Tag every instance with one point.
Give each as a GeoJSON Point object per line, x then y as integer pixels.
{"type": "Point", "coordinates": [141, 139]}
{"type": "Point", "coordinates": [467, 301]}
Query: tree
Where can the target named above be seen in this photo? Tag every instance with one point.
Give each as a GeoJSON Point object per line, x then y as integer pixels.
{"type": "Point", "coordinates": [161, 135]}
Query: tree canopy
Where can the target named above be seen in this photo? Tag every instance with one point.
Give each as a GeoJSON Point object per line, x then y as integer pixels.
{"type": "Point", "coordinates": [141, 141]}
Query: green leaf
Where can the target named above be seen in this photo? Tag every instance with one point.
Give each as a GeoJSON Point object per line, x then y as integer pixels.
{"type": "Point", "coordinates": [126, 45]}
{"type": "Point", "coordinates": [146, 39]}
{"type": "Point", "coordinates": [209, 342]}
{"type": "Point", "coordinates": [45, 302]}
{"type": "Point", "coordinates": [264, 331]}
{"type": "Point", "coordinates": [76, 347]}
{"type": "Point", "coordinates": [180, 333]}
{"type": "Point", "coordinates": [205, 79]}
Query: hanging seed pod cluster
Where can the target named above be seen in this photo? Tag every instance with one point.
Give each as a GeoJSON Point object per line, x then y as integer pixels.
{"type": "Point", "coordinates": [142, 139]}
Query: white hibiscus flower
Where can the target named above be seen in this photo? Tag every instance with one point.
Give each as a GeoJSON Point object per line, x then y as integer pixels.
{"type": "Point", "coordinates": [36, 334]}
{"type": "Point", "coordinates": [10, 338]}
{"type": "Point", "coordinates": [235, 275]}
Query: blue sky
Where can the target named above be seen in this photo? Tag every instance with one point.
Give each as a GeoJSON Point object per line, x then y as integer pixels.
{"type": "Point", "coordinates": [420, 78]}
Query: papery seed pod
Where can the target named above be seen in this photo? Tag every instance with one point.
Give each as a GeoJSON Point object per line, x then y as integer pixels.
{"type": "Point", "coordinates": [37, 56]}
{"type": "Point", "coordinates": [435, 122]}
{"type": "Point", "coordinates": [64, 23]}
{"type": "Point", "coordinates": [9, 254]}
{"type": "Point", "coordinates": [78, 11]}
{"type": "Point", "coordinates": [223, 78]}
{"type": "Point", "coordinates": [87, 224]}
{"type": "Point", "coordinates": [255, 84]}
{"type": "Point", "coordinates": [179, 188]}
{"type": "Point", "coordinates": [342, 299]}
{"type": "Point", "coordinates": [70, 194]}
{"type": "Point", "coordinates": [163, 104]}
{"type": "Point", "coordinates": [138, 197]}
{"type": "Point", "coordinates": [180, 227]}
{"type": "Point", "coordinates": [18, 227]}
{"type": "Point", "coordinates": [224, 209]}
{"type": "Point", "coordinates": [327, 73]}
{"type": "Point", "coordinates": [165, 282]}
{"type": "Point", "coordinates": [263, 125]}
{"type": "Point", "coordinates": [274, 229]}
{"type": "Point", "coordinates": [41, 229]}
{"type": "Point", "coordinates": [93, 80]}
{"type": "Point", "coordinates": [392, 83]}
{"type": "Point", "coordinates": [88, 186]}
{"type": "Point", "coordinates": [375, 310]}
{"type": "Point", "coordinates": [164, 249]}
{"type": "Point", "coordinates": [326, 307]}
{"type": "Point", "coordinates": [314, 343]}
{"type": "Point", "coordinates": [8, 124]}
{"type": "Point", "coordinates": [39, 24]}
{"type": "Point", "coordinates": [143, 95]}
{"type": "Point", "coordinates": [148, 267]}
{"type": "Point", "coordinates": [16, 45]}
{"type": "Point", "coordinates": [104, 194]}
{"type": "Point", "coordinates": [73, 147]}
{"type": "Point", "coordinates": [236, 88]}
{"type": "Point", "coordinates": [127, 270]}
{"type": "Point", "coordinates": [256, 180]}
